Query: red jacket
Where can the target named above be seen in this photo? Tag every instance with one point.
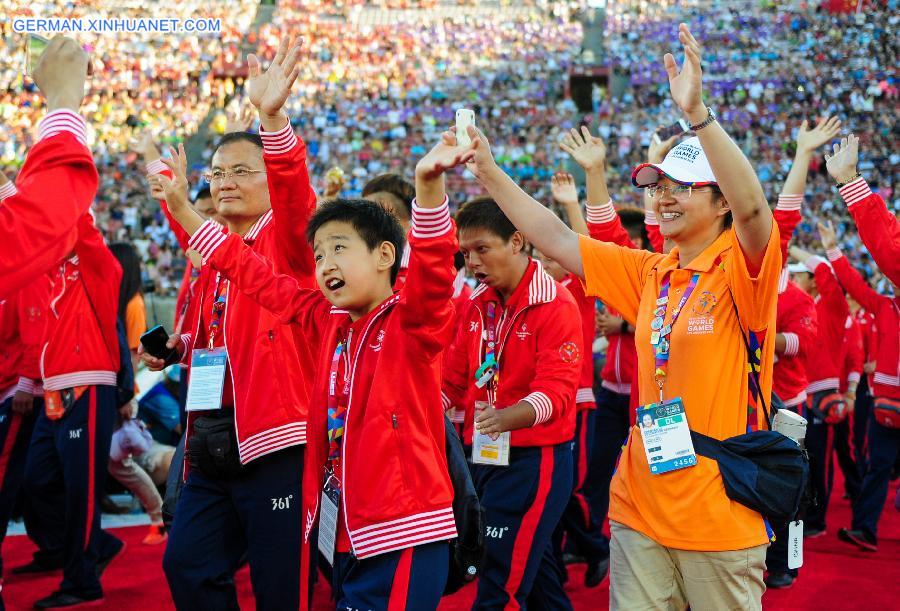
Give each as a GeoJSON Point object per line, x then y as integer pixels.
{"type": "Point", "coordinates": [56, 186]}
{"type": "Point", "coordinates": [393, 465]}
{"type": "Point", "coordinates": [869, 333]}
{"type": "Point", "coordinates": [787, 216]}
{"type": "Point", "coordinates": [823, 364]}
{"type": "Point", "coordinates": [271, 373]}
{"type": "Point", "coordinates": [852, 363]}
{"type": "Point", "coordinates": [539, 352]}
{"type": "Point", "coordinates": [621, 355]}
{"type": "Point", "coordinates": [878, 228]}
{"type": "Point", "coordinates": [584, 396]}
{"type": "Point", "coordinates": [886, 379]}
{"type": "Point", "coordinates": [796, 320]}
{"type": "Point", "coordinates": [81, 345]}
{"type": "Point", "coordinates": [657, 241]}
{"type": "Point", "coordinates": [22, 320]}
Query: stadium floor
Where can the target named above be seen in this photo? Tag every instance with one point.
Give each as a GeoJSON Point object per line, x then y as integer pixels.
{"type": "Point", "coordinates": [835, 577]}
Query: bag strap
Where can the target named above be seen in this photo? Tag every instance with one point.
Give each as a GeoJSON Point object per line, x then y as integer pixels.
{"type": "Point", "coordinates": [753, 373]}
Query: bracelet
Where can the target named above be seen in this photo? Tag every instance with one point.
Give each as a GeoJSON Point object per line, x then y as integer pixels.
{"type": "Point", "coordinates": [847, 182]}
{"type": "Point", "coordinates": [710, 118]}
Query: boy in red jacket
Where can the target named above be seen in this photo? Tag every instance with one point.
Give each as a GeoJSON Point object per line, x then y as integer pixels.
{"type": "Point", "coordinates": [375, 465]}
{"type": "Point", "coordinates": [515, 369]}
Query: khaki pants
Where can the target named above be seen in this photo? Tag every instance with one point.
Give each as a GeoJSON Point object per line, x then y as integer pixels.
{"type": "Point", "coordinates": [645, 575]}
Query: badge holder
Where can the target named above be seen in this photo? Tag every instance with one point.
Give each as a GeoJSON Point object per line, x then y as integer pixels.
{"type": "Point", "coordinates": [487, 451]}
{"type": "Point", "coordinates": [795, 544]}
{"type": "Point", "coordinates": [666, 436]}
{"type": "Point", "coordinates": [328, 516]}
{"type": "Point", "coordinates": [207, 379]}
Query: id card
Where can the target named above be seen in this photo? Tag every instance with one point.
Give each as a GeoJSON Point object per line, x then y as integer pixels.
{"type": "Point", "coordinates": [795, 544]}
{"type": "Point", "coordinates": [667, 438]}
{"type": "Point", "coordinates": [487, 451]}
{"type": "Point", "coordinates": [328, 518]}
{"type": "Point", "coordinates": [207, 379]}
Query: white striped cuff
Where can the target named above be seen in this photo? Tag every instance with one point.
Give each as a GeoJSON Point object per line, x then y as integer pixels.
{"type": "Point", "coordinates": [584, 395]}
{"type": "Point", "coordinates": [783, 280]}
{"type": "Point", "coordinates": [8, 190]}
{"type": "Point", "coordinates": [886, 379]}
{"type": "Point", "coordinates": [826, 384]}
{"type": "Point", "coordinates": [791, 344]}
{"type": "Point", "coordinates": [26, 385]}
{"type": "Point", "coordinates": [650, 218]}
{"type": "Point", "coordinates": [155, 167]}
{"type": "Point", "coordinates": [431, 222]}
{"type": "Point", "coordinates": [855, 191]}
{"type": "Point", "coordinates": [789, 203]}
{"type": "Point", "coordinates": [60, 121]}
{"type": "Point", "coordinates": [834, 254]}
{"type": "Point", "coordinates": [813, 262]}
{"type": "Point", "coordinates": [853, 377]}
{"type": "Point", "coordinates": [543, 407]}
{"type": "Point", "coordinates": [282, 141]}
{"type": "Point", "coordinates": [208, 238]}
{"type": "Point", "coordinates": [187, 340]}
{"type": "Point", "coordinates": [80, 378]}
{"type": "Point", "coordinates": [445, 401]}
{"type": "Point", "coordinates": [601, 214]}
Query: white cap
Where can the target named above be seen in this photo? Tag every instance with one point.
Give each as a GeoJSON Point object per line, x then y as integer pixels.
{"type": "Point", "coordinates": [798, 268]}
{"type": "Point", "coordinates": [685, 164]}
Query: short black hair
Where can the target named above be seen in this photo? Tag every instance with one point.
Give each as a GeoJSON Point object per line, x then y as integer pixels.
{"type": "Point", "coordinates": [373, 223]}
{"type": "Point", "coordinates": [484, 213]}
{"type": "Point", "coordinates": [201, 193]}
{"type": "Point", "coordinates": [716, 194]}
{"type": "Point", "coordinates": [394, 184]}
{"type": "Point", "coordinates": [633, 221]}
{"type": "Point", "coordinates": [233, 137]}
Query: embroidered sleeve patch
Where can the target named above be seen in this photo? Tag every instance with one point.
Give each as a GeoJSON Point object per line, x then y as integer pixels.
{"type": "Point", "coordinates": [569, 352]}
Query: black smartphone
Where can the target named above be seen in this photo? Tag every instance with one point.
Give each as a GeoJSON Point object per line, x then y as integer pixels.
{"type": "Point", "coordinates": [154, 342]}
{"type": "Point", "coordinates": [679, 127]}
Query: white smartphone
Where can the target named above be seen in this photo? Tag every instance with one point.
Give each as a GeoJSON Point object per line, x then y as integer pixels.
{"type": "Point", "coordinates": [464, 118]}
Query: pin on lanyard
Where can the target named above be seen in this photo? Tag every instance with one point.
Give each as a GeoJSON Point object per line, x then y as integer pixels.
{"type": "Point", "coordinates": [661, 332]}
{"type": "Point", "coordinates": [488, 373]}
{"type": "Point", "coordinates": [218, 309]}
{"type": "Point", "coordinates": [337, 410]}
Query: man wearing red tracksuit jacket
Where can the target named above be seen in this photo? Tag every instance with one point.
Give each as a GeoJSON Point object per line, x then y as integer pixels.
{"type": "Point", "coordinates": [66, 466]}
{"type": "Point", "coordinates": [823, 366]}
{"type": "Point", "coordinates": [265, 399]}
{"type": "Point", "coordinates": [519, 356]}
{"type": "Point", "coordinates": [22, 320]}
{"type": "Point", "coordinates": [394, 513]}
{"type": "Point", "coordinates": [851, 373]}
{"type": "Point", "coordinates": [883, 442]}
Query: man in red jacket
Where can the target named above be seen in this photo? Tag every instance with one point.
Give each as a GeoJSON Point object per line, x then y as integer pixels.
{"type": "Point", "coordinates": [878, 227]}
{"type": "Point", "coordinates": [22, 320]}
{"type": "Point", "coordinates": [851, 373]}
{"type": "Point", "coordinates": [884, 441]}
{"type": "Point", "coordinates": [823, 366]}
{"type": "Point", "coordinates": [58, 181]}
{"type": "Point", "coordinates": [515, 369]}
{"type": "Point", "coordinates": [245, 501]}
{"type": "Point", "coordinates": [375, 456]}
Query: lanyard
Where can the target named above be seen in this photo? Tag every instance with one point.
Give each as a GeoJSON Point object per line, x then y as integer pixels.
{"type": "Point", "coordinates": [188, 298]}
{"type": "Point", "coordinates": [488, 374]}
{"type": "Point", "coordinates": [218, 308]}
{"type": "Point", "coordinates": [337, 408]}
{"type": "Point", "coordinates": [660, 332]}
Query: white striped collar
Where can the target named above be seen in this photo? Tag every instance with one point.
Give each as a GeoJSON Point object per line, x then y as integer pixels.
{"type": "Point", "coordinates": [258, 226]}
{"type": "Point", "coordinates": [541, 288]}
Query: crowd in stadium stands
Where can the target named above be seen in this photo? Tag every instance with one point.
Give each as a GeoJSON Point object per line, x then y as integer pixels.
{"type": "Point", "coordinates": [369, 98]}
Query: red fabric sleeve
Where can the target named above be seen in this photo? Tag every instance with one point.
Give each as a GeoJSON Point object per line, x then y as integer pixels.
{"type": "Point", "coordinates": [858, 288]}
{"type": "Point", "coordinates": [853, 355]}
{"type": "Point", "coordinates": [293, 202]}
{"type": "Point", "coordinates": [878, 228]}
{"type": "Point", "coordinates": [158, 167]}
{"type": "Point", "coordinates": [787, 216]}
{"type": "Point", "coordinates": [56, 186]}
{"type": "Point", "coordinates": [606, 226]}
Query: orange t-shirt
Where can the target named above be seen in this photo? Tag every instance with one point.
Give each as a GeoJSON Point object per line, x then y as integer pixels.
{"type": "Point", "coordinates": [688, 508]}
{"type": "Point", "coordinates": [135, 321]}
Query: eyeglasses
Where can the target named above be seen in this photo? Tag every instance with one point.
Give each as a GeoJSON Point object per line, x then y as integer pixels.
{"type": "Point", "coordinates": [680, 193]}
{"type": "Point", "coordinates": [223, 175]}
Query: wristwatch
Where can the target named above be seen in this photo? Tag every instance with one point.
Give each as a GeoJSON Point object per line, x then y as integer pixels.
{"type": "Point", "coordinates": [709, 119]}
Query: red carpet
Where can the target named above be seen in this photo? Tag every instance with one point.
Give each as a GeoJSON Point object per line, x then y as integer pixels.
{"type": "Point", "coordinates": [835, 577]}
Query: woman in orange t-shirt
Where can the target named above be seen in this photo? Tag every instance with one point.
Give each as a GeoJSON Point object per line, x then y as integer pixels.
{"type": "Point", "coordinates": [677, 539]}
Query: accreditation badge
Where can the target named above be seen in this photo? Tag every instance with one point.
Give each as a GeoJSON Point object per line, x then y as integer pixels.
{"type": "Point", "coordinates": [666, 436]}
{"type": "Point", "coordinates": [328, 517]}
{"type": "Point", "coordinates": [207, 379]}
{"type": "Point", "coordinates": [487, 451]}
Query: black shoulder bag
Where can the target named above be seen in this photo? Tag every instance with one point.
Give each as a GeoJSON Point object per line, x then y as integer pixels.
{"type": "Point", "coordinates": [763, 470]}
